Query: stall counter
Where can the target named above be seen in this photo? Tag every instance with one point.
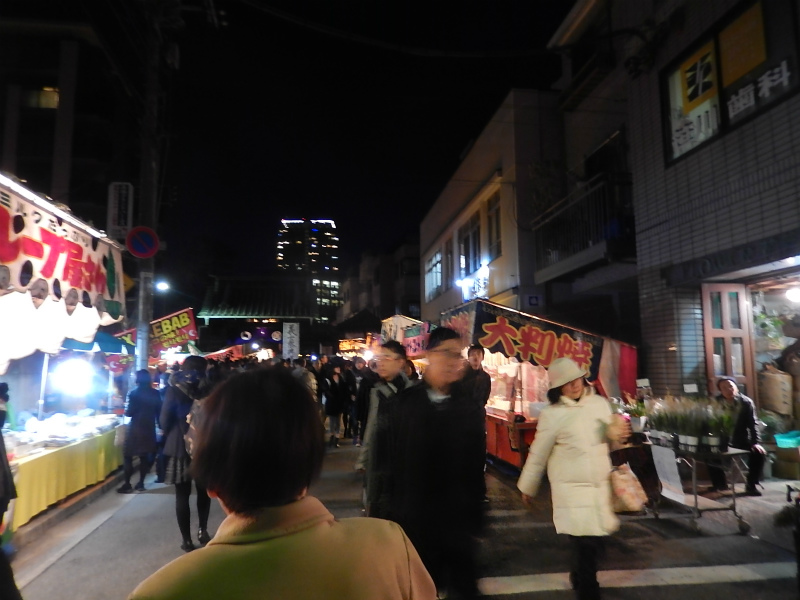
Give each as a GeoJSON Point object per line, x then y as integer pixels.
{"type": "Point", "coordinates": [509, 440]}
{"type": "Point", "coordinates": [50, 476]}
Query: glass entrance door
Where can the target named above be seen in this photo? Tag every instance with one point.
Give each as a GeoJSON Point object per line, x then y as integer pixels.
{"type": "Point", "coordinates": [727, 328]}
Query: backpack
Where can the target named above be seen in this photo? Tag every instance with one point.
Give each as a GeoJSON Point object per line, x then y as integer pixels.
{"type": "Point", "coordinates": [194, 420]}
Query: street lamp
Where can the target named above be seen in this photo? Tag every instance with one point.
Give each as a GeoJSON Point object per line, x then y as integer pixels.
{"type": "Point", "coordinates": [162, 286]}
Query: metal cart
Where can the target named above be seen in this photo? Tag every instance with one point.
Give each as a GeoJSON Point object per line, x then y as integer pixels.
{"type": "Point", "coordinates": [666, 463]}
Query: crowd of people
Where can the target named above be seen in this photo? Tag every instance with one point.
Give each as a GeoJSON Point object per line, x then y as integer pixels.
{"type": "Point", "coordinates": [260, 445]}
{"type": "Point", "coordinates": [253, 437]}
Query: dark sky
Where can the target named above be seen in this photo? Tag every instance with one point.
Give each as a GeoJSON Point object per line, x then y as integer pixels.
{"type": "Point", "coordinates": [275, 118]}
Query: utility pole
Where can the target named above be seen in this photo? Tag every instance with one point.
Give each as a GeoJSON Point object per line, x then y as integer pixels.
{"type": "Point", "coordinates": [148, 182]}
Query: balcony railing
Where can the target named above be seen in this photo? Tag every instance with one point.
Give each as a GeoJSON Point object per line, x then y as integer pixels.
{"type": "Point", "coordinates": [598, 214]}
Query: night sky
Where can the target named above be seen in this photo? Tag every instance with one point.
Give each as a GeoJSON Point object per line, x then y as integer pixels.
{"type": "Point", "coordinates": [274, 118]}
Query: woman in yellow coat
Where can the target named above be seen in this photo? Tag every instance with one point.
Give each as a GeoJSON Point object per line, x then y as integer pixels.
{"type": "Point", "coordinates": [571, 443]}
{"type": "Point", "coordinates": [258, 448]}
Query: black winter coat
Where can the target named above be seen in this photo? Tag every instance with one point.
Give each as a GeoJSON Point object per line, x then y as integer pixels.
{"type": "Point", "coordinates": [143, 407]}
{"type": "Point", "coordinates": [430, 456]}
{"type": "Point", "coordinates": [337, 396]}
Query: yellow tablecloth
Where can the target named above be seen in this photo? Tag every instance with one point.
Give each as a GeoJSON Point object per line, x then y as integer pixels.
{"type": "Point", "coordinates": [46, 478]}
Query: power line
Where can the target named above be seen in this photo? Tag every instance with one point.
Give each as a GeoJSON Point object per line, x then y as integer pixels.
{"type": "Point", "coordinates": [391, 46]}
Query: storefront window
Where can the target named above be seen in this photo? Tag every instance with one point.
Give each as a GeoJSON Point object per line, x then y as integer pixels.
{"type": "Point", "coordinates": [716, 310]}
{"type": "Point", "coordinates": [719, 357]}
{"type": "Point", "coordinates": [737, 357]}
{"type": "Point", "coordinates": [733, 304]}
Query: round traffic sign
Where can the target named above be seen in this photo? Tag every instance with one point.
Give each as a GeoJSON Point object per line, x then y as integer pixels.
{"type": "Point", "coordinates": [142, 242]}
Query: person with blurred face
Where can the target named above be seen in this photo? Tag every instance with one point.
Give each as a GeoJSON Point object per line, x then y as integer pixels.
{"type": "Point", "coordinates": [258, 451]}
{"type": "Point", "coordinates": [745, 436]}
{"type": "Point", "coordinates": [391, 359]}
{"type": "Point", "coordinates": [337, 397]}
{"type": "Point", "coordinates": [428, 439]}
{"type": "Point", "coordinates": [571, 444]}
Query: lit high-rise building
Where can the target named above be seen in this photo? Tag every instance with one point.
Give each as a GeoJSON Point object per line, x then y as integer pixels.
{"type": "Point", "coordinates": [311, 246]}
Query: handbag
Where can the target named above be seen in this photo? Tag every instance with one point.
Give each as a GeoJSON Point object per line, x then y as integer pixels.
{"type": "Point", "coordinates": [627, 494]}
{"type": "Point", "coordinates": [120, 435]}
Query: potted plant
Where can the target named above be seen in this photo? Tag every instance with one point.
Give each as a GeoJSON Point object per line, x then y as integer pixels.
{"type": "Point", "coordinates": [638, 415]}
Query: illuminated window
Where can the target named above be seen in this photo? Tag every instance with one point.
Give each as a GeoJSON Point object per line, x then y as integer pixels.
{"type": "Point", "coordinates": [433, 276]}
{"type": "Point", "coordinates": [469, 245]}
{"type": "Point", "coordinates": [47, 97]}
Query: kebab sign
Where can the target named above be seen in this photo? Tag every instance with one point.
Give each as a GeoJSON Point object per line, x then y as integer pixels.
{"type": "Point", "coordinates": [167, 332]}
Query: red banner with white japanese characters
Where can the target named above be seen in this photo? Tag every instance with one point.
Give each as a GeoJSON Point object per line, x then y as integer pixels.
{"type": "Point", "coordinates": [51, 254]}
{"type": "Point", "coordinates": [526, 337]}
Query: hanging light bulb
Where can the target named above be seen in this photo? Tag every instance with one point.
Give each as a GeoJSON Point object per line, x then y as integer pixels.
{"type": "Point", "coordinates": [793, 294]}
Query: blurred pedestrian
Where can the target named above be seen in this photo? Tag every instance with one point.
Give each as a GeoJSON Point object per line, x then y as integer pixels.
{"type": "Point", "coordinates": [8, 588]}
{"type": "Point", "coordinates": [476, 379]}
{"type": "Point", "coordinates": [259, 450]}
{"type": "Point", "coordinates": [410, 370]}
{"type": "Point", "coordinates": [142, 406]}
{"type": "Point", "coordinates": [571, 444]}
{"type": "Point", "coordinates": [428, 440]}
{"type": "Point", "coordinates": [391, 359]}
{"type": "Point", "coordinates": [337, 396]}
{"type": "Point", "coordinates": [185, 386]}
{"type": "Point", "coordinates": [365, 379]}
{"type": "Point", "coordinates": [303, 374]}
{"type": "Point", "coordinates": [349, 407]}
{"type": "Point", "coordinates": [478, 385]}
{"type": "Point", "coordinates": [745, 436]}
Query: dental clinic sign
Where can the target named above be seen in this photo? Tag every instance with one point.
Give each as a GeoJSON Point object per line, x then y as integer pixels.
{"type": "Point", "coordinates": [747, 64]}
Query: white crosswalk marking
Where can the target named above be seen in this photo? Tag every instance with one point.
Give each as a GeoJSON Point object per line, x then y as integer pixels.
{"type": "Point", "coordinates": [544, 582]}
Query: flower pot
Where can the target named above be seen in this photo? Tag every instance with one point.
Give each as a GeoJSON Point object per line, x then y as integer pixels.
{"type": "Point", "coordinates": [637, 424]}
{"type": "Point", "coordinates": [691, 443]}
{"type": "Point", "coordinates": [711, 442]}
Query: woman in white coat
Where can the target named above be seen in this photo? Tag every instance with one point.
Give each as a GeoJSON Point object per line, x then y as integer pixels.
{"type": "Point", "coordinates": [571, 443]}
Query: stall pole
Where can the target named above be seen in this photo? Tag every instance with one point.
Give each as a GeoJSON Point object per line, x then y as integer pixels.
{"type": "Point", "coordinates": [43, 386]}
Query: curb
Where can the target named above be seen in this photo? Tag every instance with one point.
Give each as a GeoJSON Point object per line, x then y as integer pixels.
{"type": "Point", "coordinates": [37, 527]}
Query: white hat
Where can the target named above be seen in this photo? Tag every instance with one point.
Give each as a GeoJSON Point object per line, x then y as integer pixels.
{"type": "Point", "coordinates": [563, 370]}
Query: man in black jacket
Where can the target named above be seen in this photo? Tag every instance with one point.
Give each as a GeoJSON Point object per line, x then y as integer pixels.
{"type": "Point", "coordinates": [745, 436]}
{"type": "Point", "coordinates": [429, 438]}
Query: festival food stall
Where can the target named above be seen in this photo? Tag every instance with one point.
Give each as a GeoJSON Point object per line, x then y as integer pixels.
{"type": "Point", "coordinates": [60, 281]}
{"type": "Point", "coordinates": [519, 348]}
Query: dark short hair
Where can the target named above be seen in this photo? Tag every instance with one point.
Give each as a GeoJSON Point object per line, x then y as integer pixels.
{"type": "Point", "coordinates": [476, 348]}
{"type": "Point", "coordinates": [395, 347]}
{"type": "Point", "coordinates": [554, 395]}
{"type": "Point", "coordinates": [300, 362]}
{"type": "Point", "coordinates": [194, 363]}
{"type": "Point", "coordinates": [261, 442]}
{"type": "Point", "coordinates": [441, 335]}
{"type": "Point", "coordinates": [359, 359]}
{"type": "Point", "coordinates": [721, 379]}
{"type": "Point", "coordinates": [143, 377]}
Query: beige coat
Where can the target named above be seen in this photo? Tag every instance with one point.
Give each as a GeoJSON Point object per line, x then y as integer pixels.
{"type": "Point", "coordinates": [296, 552]}
{"type": "Point", "coordinates": [571, 443]}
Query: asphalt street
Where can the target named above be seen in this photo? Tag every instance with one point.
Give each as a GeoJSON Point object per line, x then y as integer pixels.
{"type": "Point", "coordinates": [105, 549]}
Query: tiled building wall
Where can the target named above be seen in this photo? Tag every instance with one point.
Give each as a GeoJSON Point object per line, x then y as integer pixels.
{"type": "Point", "coordinates": [739, 188]}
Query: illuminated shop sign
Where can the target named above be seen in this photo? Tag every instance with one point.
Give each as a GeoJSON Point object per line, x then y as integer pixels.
{"type": "Point", "coordinates": [747, 64]}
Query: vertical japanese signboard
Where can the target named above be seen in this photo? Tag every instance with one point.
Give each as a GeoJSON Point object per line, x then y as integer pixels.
{"type": "Point", "coordinates": [291, 340]}
{"type": "Point", "coordinates": [120, 210]}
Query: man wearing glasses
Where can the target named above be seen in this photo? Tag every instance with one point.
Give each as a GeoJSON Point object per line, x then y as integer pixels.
{"type": "Point", "coordinates": [391, 358]}
{"type": "Point", "coordinates": [428, 441]}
